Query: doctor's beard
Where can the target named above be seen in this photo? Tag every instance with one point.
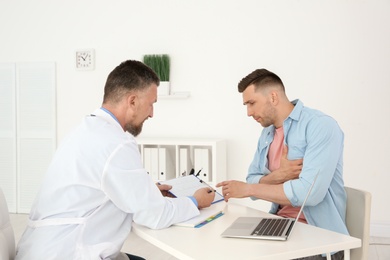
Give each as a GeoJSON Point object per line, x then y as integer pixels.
{"type": "Point", "coordinates": [134, 129]}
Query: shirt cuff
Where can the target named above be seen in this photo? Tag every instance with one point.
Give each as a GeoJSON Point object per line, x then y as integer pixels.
{"type": "Point", "coordinates": [193, 200]}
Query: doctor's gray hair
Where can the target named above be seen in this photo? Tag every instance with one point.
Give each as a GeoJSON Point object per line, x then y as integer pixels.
{"type": "Point", "coordinates": [130, 75]}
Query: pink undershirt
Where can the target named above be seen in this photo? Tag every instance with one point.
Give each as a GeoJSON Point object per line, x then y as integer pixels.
{"type": "Point", "coordinates": [274, 156]}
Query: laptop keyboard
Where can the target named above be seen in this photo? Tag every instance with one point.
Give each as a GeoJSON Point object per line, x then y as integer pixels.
{"type": "Point", "coordinates": [270, 227]}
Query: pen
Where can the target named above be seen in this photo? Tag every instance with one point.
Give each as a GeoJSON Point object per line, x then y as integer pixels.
{"type": "Point", "coordinates": [211, 188]}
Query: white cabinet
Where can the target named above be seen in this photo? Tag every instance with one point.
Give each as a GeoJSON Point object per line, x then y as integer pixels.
{"type": "Point", "coordinates": [27, 129]}
{"type": "Point", "coordinates": [167, 158]}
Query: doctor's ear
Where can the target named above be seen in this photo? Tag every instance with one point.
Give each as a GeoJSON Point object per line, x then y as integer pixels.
{"type": "Point", "coordinates": [132, 100]}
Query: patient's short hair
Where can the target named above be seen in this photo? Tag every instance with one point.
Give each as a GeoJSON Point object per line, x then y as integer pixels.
{"type": "Point", "coordinates": [261, 79]}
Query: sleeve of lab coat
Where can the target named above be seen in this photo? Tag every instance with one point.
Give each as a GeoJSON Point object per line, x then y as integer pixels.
{"type": "Point", "coordinates": [130, 188]}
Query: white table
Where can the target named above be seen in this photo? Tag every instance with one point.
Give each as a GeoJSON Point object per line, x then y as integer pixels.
{"type": "Point", "coordinates": [206, 242]}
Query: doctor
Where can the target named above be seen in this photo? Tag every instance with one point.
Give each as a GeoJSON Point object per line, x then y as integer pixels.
{"type": "Point", "coordinates": [96, 185]}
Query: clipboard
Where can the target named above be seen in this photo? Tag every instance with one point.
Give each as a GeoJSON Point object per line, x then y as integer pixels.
{"type": "Point", "coordinates": [187, 185]}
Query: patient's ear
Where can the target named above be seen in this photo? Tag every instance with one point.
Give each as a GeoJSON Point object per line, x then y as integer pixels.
{"type": "Point", "coordinates": [274, 96]}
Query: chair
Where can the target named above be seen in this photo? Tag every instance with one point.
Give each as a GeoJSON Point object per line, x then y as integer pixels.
{"type": "Point", "coordinates": [358, 220]}
{"type": "Point", "coordinates": [7, 238]}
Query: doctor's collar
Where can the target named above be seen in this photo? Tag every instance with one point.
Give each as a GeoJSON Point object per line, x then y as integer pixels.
{"type": "Point", "coordinates": [109, 112]}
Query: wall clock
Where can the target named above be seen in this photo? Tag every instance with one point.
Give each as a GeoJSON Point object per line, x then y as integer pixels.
{"type": "Point", "coordinates": [85, 59]}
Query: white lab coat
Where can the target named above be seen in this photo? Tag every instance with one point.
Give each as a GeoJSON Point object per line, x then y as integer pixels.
{"type": "Point", "coordinates": [93, 190]}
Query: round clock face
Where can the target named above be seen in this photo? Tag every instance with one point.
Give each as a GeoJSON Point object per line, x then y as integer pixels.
{"type": "Point", "coordinates": [84, 59]}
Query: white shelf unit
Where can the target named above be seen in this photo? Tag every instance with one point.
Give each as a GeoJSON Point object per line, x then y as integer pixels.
{"type": "Point", "coordinates": [168, 158]}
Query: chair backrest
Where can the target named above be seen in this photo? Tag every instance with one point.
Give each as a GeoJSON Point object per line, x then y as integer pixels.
{"type": "Point", "coordinates": [358, 220]}
{"type": "Point", "coordinates": [7, 238]}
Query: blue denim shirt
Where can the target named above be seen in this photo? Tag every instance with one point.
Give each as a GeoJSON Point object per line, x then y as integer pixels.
{"type": "Point", "coordinates": [318, 139]}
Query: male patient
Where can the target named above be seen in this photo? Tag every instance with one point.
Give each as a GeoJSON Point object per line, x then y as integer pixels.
{"type": "Point", "coordinates": [96, 185]}
{"type": "Point", "coordinates": [296, 143]}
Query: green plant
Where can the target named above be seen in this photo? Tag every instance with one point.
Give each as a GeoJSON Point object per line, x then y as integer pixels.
{"type": "Point", "coordinates": [159, 64]}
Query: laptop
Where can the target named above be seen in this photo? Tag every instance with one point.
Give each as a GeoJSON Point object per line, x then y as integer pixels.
{"type": "Point", "coordinates": [278, 229]}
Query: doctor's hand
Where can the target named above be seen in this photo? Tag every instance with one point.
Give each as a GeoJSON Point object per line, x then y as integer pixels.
{"type": "Point", "coordinates": [234, 189]}
{"type": "Point", "coordinates": [164, 188]}
{"type": "Point", "coordinates": [204, 197]}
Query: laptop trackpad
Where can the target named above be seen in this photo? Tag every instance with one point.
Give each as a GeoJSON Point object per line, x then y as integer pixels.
{"type": "Point", "coordinates": [243, 226]}
{"type": "Point", "coordinates": [240, 225]}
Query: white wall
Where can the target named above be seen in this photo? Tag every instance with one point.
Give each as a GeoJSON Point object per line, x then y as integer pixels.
{"type": "Point", "coordinates": [334, 55]}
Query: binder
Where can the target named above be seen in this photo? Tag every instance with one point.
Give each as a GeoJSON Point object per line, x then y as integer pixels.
{"type": "Point", "coordinates": [147, 158]}
{"type": "Point", "coordinates": [166, 168]}
{"type": "Point", "coordinates": [184, 161]}
{"type": "Point", "coordinates": [202, 163]}
{"type": "Point", "coordinates": [151, 161]}
{"type": "Point", "coordinates": [162, 164]}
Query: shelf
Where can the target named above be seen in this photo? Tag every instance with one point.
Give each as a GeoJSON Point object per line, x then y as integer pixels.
{"type": "Point", "coordinates": [176, 95]}
{"type": "Point", "coordinates": [168, 158]}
